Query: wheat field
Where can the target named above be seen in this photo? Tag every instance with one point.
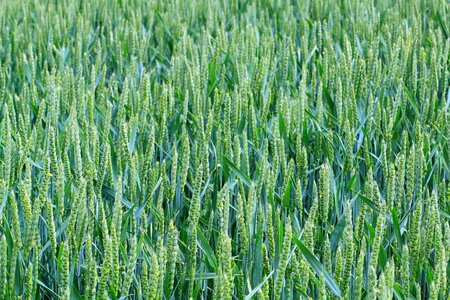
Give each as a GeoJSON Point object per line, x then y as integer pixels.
{"type": "Point", "coordinates": [215, 149]}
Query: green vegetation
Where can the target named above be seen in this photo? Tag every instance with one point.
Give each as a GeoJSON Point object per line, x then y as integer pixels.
{"type": "Point", "coordinates": [243, 149]}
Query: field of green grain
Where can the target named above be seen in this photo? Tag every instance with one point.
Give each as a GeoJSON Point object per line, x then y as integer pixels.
{"type": "Point", "coordinates": [225, 149]}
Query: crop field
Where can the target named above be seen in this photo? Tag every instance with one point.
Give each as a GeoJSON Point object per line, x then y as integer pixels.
{"type": "Point", "coordinates": [225, 149]}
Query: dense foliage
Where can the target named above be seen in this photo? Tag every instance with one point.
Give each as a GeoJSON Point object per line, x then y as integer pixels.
{"type": "Point", "coordinates": [237, 149]}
